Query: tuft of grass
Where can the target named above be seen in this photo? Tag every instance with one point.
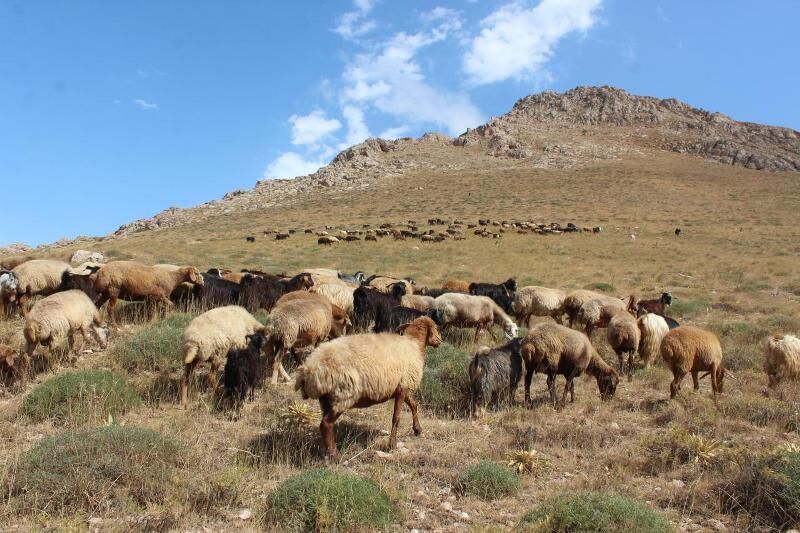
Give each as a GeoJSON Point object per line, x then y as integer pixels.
{"type": "Point", "coordinates": [324, 500]}
{"type": "Point", "coordinates": [155, 347]}
{"type": "Point", "coordinates": [489, 481]}
{"type": "Point", "coordinates": [665, 451]}
{"type": "Point", "coordinates": [528, 462]}
{"type": "Point", "coordinates": [445, 386]}
{"type": "Point", "coordinates": [80, 397]}
{"type": "Point", "coordinates": [761, 411]}
{"type": "Point", "coordinates": [96, 470]}
{"type": "Point", "coordinates": [594, 511]}
{"type": "Point", "coordinates": [601, 286]}
{"type": "Point", "coordinates": [684, 308]}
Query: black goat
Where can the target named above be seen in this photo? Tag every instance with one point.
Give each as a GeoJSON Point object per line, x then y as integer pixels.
{"type": "Point", "coordinates": [217, 292]}
{"type": "Point", "coordinates": [371, 305]}
{"type": "Point", "coordinates": [396, 316]}
{"type": "Point", "coordinates": [244, 370]}
{"type": "Point", "coordinates": [495, 373]}
{"type": "Point", "coordinates": [258, 292]}
{"type": "Point", "coordinates": [502, 294]}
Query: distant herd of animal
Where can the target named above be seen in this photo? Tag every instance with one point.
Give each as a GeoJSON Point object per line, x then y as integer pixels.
{"type": "Point", "coordinates": [369, 334]}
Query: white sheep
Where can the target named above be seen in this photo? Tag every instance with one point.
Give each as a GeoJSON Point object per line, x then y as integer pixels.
{"type": "Point", "coordinates": [8, 290]}
{"type": "Point", "coordinates": [38, 277]}
{"type": "Point", "coordinates": [533, 301]}
{"type": "Point", "coordinates": [576, 299]}
{"type": "Point", "coordinates": [652, 327]}
{"type": "Point", "coordinates": [209, 336]}
{"type": "Point", "coordinates": [466, 310]}
{"type": "Point", "coordinates": [340, 294]}
{"type": "Point", "coordinates": [782, 359]}
{"type": "Point", "coordinates": [367, 369]}
{"type": "Point", "coordinates": [297, 324]}
{"type": "Point", "coordinates": [384, 284]}
{"type": "Point", "coordinates": [55, 319]}
{"type": "Point", "coordinates": [417, 301]}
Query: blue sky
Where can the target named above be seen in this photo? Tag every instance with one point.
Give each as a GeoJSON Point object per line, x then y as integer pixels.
{"type": "Point", "coordinates": [112, 111]}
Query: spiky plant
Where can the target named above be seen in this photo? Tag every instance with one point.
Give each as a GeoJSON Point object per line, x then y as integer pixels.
{"type": "Point", "coordinates": [296, 414]}
{"type": "Point", "coordinates": [528, 462]}
{"type": "Point", "coordinates": [705, 451]}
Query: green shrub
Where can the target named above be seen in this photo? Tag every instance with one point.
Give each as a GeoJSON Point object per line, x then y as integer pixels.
{"type": "Point", "coordinates": [445, 381]}
{"type": "Point", "coordinates": [155, 347]}
{"type": "Point", "coordinates": [489, 481]}
{"type": "Point", "coordinates": [92, 471]}
{"type": "Point", "coordinates": [75, 398]}
{"type": "Point", "coordinates": [593, 511]}
{"type": "Point", "coordinates": [322, 500]}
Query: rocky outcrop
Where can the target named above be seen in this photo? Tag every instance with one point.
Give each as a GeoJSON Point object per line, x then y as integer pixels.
{"type": "Point", "coordinates": [17, 248]}
{"type": "Point", "coordinates": [83, 256]}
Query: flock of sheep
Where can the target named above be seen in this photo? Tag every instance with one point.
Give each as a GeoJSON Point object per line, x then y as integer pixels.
{"type": "Point", "coordinates": [397, 319]}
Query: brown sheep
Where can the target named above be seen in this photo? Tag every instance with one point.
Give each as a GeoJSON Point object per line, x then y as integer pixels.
{"type": "Point", "coordinates": [623, 335]}
{"type": "Point", "coordinates": [134, 281]}
{"type": "Point", "coordinates": [688, 349]}
{"type": "Point", "coordinates": [456, 285]}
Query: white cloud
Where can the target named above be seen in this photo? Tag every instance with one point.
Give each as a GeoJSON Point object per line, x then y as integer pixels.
{"type": "Point", "coordinates": [354, 24]}
{"type": "Point", "coordinates": [516, 41]}
{"type": "Point", "coordinates": [309, 129]}
{"type": "Point", "coordinates": [291, 165]}
{"type": "Point", "coordinates": [357, 130]}
{"type": "Point", "coordinates": [393, 133]}
{"type": "Point", "coordinates": [144, 104]}
{"type": "Point", "coordinates": [392, 81]}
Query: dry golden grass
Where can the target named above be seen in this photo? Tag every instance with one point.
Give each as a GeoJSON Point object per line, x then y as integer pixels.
{"type": "Point", "coordinates": [734, 271]}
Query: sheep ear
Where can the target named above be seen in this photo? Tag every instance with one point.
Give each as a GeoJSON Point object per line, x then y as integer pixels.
{"type": "Point", "coordinates": [402, 329]}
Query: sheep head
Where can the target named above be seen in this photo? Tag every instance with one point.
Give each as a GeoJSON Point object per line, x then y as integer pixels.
{"type": "Point", "coordinates": [607, 385]}
{"type": "Point", "coordinates": [423, 328]}
{"type": "Point", "coordinates": [193, 276]}
{"type": "Point", "coordinates": [511, 331]}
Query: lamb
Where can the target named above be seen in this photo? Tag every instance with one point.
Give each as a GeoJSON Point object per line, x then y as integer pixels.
{"type": "Point", "coordinates": [339, 295]}
{"type": "Point", "coordinates": [688, 349]}
{"type": "Point", "coordinates": [130, 280]}
{"type": "Point", "coordinates": [652, 329]}
{"type": "Point", "coordinates": [480, 312]}
{"type": "Point", "coordinates": [244, 370]}
{"type": "Point", "coordinates": [623, 335]}
{"type": "Point", "coordinates": [210, 336]}
{"type": "Point", "coordinates": [502, 294]}
{"type": "Point", "coordinates": [417, 301]}
{"type": "Point", "coordinates": [537, 301]}
{"type": "Point", "coordinates": [495, 373]}
{"type": "Point", "coordinates": [56, 318]}
{"type": "Point", "coordinates": [556, 349]}
{"type": "Point", "coordinates": [367, 369]}
{"type": "Point", "coordinates": [38, 277]}
{"type": "Point", "coordinates": [783, 359]}
{"type": "Point", "coordinates": [261, 293]}
{"type": "Point", "coordinates": [456, 285]}
{"type": "Point", "coordinates": [297, 324]}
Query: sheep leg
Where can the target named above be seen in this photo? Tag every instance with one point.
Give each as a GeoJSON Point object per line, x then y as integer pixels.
{"type": "Point", "coordinates": [399, 397]}
{"type": "Point", "coordinates": [551, 386]}
{"type": "Point", "coordinates": [22, 302]}
{"type": "Point", "coordinates": [696, 381]}
{"type": "Point", "coordinates": [675, 386]}
{"type": "Point", "coordinates": [412, 404]}
{"type": "Point", "coordinates": [276, 363]}
{"type": "Point", "coordinates": [285, 375]}
{"type": "Point", "coordinates": [714, 384]}
{"type": "Point", "coordinates": [327, 425]}
{"type": "Point", "coordinates": [187, 375]}
{"type": "Point", "coordinates": [112, 303]}
{"type": "Point", "coordinates": [528, 378]}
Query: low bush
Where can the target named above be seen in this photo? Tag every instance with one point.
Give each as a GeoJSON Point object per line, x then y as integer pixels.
{"type": "Point", "coordinates": [594, 511]}
{"type": "Point", "coordinates": [323, 500]}
{"type": "Point", "coordinates": [489, 481]}
{"type": "Point", "coordinates": [76, 398]}
{"type": "Point", "coordinates": [155, 347]}
{"type": "Point", "coordinates": [445, 383]}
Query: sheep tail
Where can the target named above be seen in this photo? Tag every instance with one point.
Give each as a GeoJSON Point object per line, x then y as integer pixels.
{"type": "Point", "coordinates": [191, 353]}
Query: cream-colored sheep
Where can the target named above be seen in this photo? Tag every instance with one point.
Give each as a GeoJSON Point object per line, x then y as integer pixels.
{"type": "Point", "coordinates": [297, 324]}
{"type": "Point", "coordinates": [130, 280]}
{"type": "Point", "coordinates": [12, 261]}
{"type": "Point", "coordinates": [466, 310]}
{"type": "Point", "coordinates": [55, 319]}
{"type": "Point", "coordinates": [688, 349]}
{"type": "Point", "coordinates": [533, 301]}
{"type": "Point", "coordinates": [367, 369]}
{"type": "Point", "coordinates": [576, 299]}
{"type": "Point", "coordinates": [555, 349]}
{"type": "Point", "coordinates": [384, 284]}
{"type": "Point", "coordinates": [339, 294]}
{"type": "Point", "coordinates": [783, 359]}
{"type": "Point", "coordinates": [652, 328]}
{"type": "Point", "coordinates": [327, 276]}
{"type": "Point", "coordinates": [38, 277]}
{"type": "Point", "coordinates": [623, 335]}
{"type": "Point", "coordinates": [417, 301]}
{"type": "Point", "coordinates": [597, 312]}
{"type": "Point", "coordinates": [210, 336]}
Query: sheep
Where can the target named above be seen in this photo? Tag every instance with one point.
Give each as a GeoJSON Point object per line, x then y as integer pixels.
{"type": "Point", "coordinates": [244, 370]}
{"type": "Point", "coordinates": [556, 349]}
{"type": "Point", "coordinates": [588, 311]}
{"type": "Point", "coordinates": [494, 374]}
{"type": "Point", "coordinates": [502, 294]}
{"type": "Point", "coordinates": [216, 291]}
{"type": "Point", "coordinates": [38, 277]}
{"type": "Point", "coordinates": [652, 329]}
{"type": "Point", "coordinates": [210, 336]}
{"type": "Point", "coordinates": [367, 369]}
{"type": "Point", "coordinates": [595, 315]}
{"type": "Point", "coordinates": [56, 318]}
{"type": "Point", "coordinates": [654, 306]}
{"type": "Point", "coordinates": [782, 359]}
{"type": "Point", "coordinates": [417, 301]}
{"type": "Point", "coordinates": [9, 364]}
{"type": "Point", "coordinates": [8, 291]}
{"type": "Point", "coordinates": [397, 317]}
{"type": "Point", "coordinates": [574, 300]}
{"type": "Point", "coordinates": [456, 285]}
{"type": "Point", "coordinates": [327, 240]}
{"type": "Point", "coordinates": [623, 335]}
{"type": "Point", "coordinates": [480, 312]}
{"type": "Point", "coordinates": [384, 284]}
{"type": "Point", "coordinates": [130, 280]}
{"type": "Point", "coordinates": [688, 349]}
{"type": "Point", "coordinates": [83, 282]}
{"type": "Point", "coordinates": [339, 295]}
{"type": "Point", "coordinates": [12, 261]}
{"type": "Point", "coordinates": [297, 324]}
{"type": "Point", "coordinates": [356, 279]}
{"type": "Point", "coordinates": [369, 304]}
{"type": "Point", "coordinates": [537, 301]}
{"type": "Point", "coordinates": [262, 293]}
